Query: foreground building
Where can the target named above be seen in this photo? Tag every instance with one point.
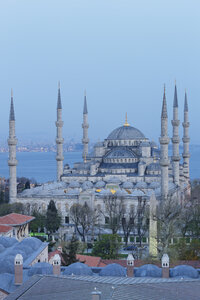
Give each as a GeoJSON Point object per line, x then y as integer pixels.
{"type": "Point", "coordinates": [15, 225]}
{"type": "Point", "coordinates": [126, 164]}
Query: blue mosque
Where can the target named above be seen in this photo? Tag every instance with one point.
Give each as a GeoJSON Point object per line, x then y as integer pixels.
{"type": "Point", "coordinates": [126, 164]}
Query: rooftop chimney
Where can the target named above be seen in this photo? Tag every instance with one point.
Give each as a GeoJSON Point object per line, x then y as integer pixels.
{"type": "Point", "coordinates": [18, 269]}
{"type": "Point", "coordinates": [165, 266]}
{"type": "Point", "coordinates": [56, 265]}
{"type": "Point", "coordinates": [130, 265]}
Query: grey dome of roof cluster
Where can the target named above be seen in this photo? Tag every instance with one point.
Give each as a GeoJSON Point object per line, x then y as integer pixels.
{"type": "Point", "coordinates": [10, 247]}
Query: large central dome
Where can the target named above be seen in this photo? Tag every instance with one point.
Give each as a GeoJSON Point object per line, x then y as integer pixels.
{"type": "Point", "coordinates": [126, 133]}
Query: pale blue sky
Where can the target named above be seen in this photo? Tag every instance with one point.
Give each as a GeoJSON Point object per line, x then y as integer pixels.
{"type": "Point", "coordinates": [121, 51]}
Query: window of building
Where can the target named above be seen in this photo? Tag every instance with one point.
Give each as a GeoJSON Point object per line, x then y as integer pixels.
{"type": "Point", "coordinates": [66, 220]}
{"type": "Point", "coordinates": [106, 220]}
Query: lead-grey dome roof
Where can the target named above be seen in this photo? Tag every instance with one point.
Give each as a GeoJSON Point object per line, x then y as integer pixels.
{"type": "Point", "coordinates": [77, 269]}
{"type": "Point", "coordinates": [126, 133]}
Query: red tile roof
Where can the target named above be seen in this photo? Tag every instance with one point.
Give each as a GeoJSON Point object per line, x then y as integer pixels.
{"type": "Point", "coordinates": [91, 261]}
{"type": "Point", "coordinates": [4, 228]}
{"type": "Point", "coordinates": [15, 219]}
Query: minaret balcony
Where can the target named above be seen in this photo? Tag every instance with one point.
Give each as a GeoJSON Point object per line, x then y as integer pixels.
{"type": "Point", "coordinates": [175, 123]}
{"type": "Point", "coordinates": [176, 157]}
{"type": "Point", "coordinates": [186, 155]}
{"type": "Point", "coordinates": [12, 162]}
{"type": "Point", "coordinates": [176, 140]}
{"type": "Point", "coordinates": [164, 162]}
{"type": "Point", "coordinates": [59, 158]}
{"type": "Point", "coordinates": [12, 141]}
{"type": "Point", "coordinates": [164, 140]}
{"type": "Point", "coordinates": [85, 140]}
{"type": "Point", "coordinates": [59, 140]}
{"type": "Point", "coordinates": [59, 123]}
{"type": "Point", "coordinates": [186, 124]}
{"type": "Point", "coordinates": [186, 139]}
{"type": "Point", "coordinates": [85, 125]}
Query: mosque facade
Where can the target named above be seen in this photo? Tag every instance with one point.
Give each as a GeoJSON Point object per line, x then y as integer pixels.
{"type": "Point", "coordinates": [126, 164]}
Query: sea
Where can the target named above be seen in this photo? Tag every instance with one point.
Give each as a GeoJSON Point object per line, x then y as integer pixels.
{"type": "Point", "coordinates": [41, 166]}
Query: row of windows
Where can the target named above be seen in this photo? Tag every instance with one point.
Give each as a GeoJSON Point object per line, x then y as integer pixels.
{"type": "Point", "coordinates": [120, 160]}
{"type": "Point", "coordinates": [118, 171]}
{"type": "Point", "coordinates": [122, 143]}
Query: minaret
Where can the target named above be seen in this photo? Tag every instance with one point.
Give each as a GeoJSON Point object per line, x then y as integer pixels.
{"type": "Point", "coordinates": [175, 139]}
{"type": "Point", "coordinates": [59, 138]}
{"type": "Point", "coordinates": [85, 127]}
{"type": "Point", "coordinates": [12, 162]}
{"type": "Point", "coordinates": [164, 141]}
{"type": "Point", "coordinates": [186, 139]}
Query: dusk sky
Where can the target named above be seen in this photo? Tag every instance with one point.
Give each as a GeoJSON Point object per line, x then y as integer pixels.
{"type": "Point", "coordinates": [121, 51]}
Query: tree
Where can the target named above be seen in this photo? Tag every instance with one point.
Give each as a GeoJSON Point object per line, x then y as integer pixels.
{"type": "Point", "coordinates": [38, 224]}
{"type": "Point", "coordinates": [70, 251]}
{"type": "Point", "coordinates": [84, 218]}
{"type": "Point", "coordinates": [107, 247]}
{"type": "Point", "coordinates": [128, 222]}
{"type": "Point", "coordinates": [142, 219]}
{"type": "Point", "coordinates": [11, 208]}
{"type": "Point", "coordinates": [53, 219]}
{"type": "Point", "coordinates": [27, 185]}
{"type": "Point", "coordinates": [114, 211]}
{"type": "Point", "coordinates": [167, 216]}
{"type": "Point", "coordinates": [190, 221]}
{"type": "Point", "coordinates": [189, 251]}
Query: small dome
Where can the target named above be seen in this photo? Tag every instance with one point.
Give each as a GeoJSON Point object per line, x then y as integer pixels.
{"type": "Point", "coordinates": [74, 184]}
{"type": "Point", "coordinates": [141, 185]}
{"type": "Point", "coordinates": [100, 184]}
{"type": "Point", "coordinates": [77, 269]}
{"type": "Point", "coordinates": [154, 185]}
{"type": "Point", "coordinates": [121, 193]}
{"type": "Point", "coordinates": [87, 185]}
{"type": "Point", "coordinates": [137, 193]}
{"type": "Point", "coordinates": [148, 271]}
{"type": "Point", "coordinates": [126, 133]}
{"type": "Point", "coordinates": [113, 270]}
{"type": "Point", "coordinates": [184, 271]}
{"type": "Point", "coordinates": [127, 185]}
{"type": "Point", "coordinates": [41, 268]}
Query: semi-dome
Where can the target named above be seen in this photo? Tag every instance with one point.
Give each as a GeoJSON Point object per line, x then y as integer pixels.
{"type": "Point", "coordinates": [120, 152]}
{"type": "Point", "coordinates": [126, 133]}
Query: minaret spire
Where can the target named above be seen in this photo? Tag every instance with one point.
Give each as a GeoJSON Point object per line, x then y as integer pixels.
{"type": "Point", "coordinates": [164, 141]}
{"type": "Point", "coordinates": [175, 139]}
{"type": "Point", "coordinates": [186, 141]}
{"type": "Point", "coordinates": [85, 127]}
{"type": "Point", "coordinates": [59, 138]}
{"type": "Point", "coordinates": [12, 162]}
